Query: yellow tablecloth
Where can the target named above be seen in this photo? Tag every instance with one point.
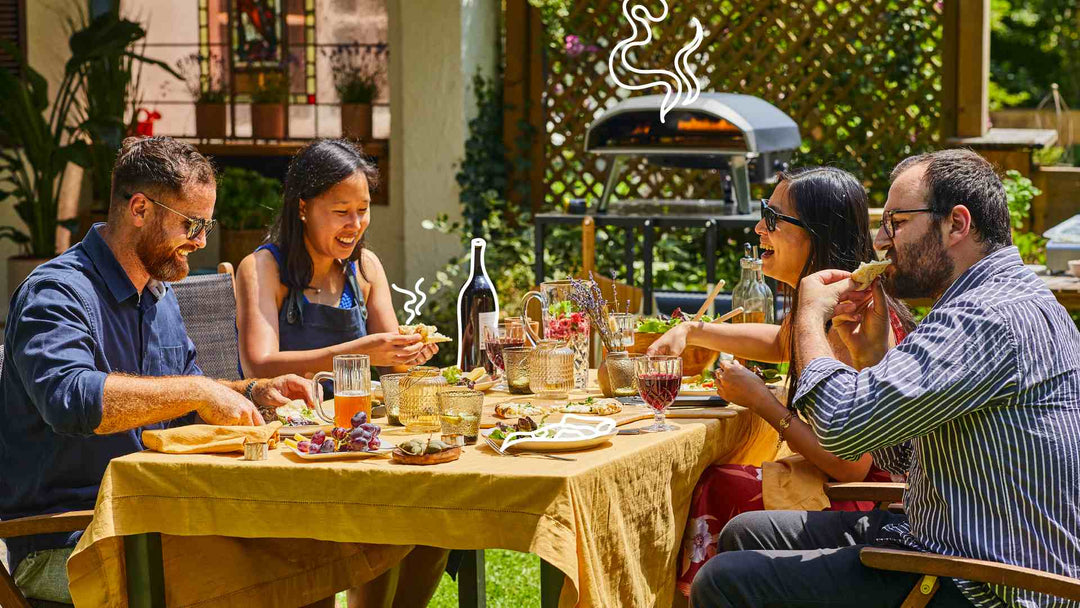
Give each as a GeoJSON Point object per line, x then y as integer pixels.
{"type": "Point", "coordinates": [611, 521]}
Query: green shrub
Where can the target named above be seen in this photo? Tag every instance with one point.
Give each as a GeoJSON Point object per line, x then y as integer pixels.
{"type": "Point", "coordinates": [246, 200]}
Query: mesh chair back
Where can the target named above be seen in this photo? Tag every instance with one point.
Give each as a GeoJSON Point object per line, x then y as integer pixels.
{"type": "Point", "coordinates": [1, 358]}
{"type": "Point", "coordinates": [208, 306]}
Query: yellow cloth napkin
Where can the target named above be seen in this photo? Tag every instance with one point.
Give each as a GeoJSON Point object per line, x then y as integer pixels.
{"type": "Point", "coordinates": [793, 483]}
{"type": "Point", "coordinates": [209, 439]}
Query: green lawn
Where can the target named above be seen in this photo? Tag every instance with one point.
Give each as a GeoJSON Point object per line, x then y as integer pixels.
{"type": "Point", "coordinates": [513, 581]}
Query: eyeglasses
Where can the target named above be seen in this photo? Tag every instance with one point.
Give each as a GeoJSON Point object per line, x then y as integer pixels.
{"type": "Point", "coordinates": [770, 216]}
{"type": "Point", "coordinates": [195, 225]}
{"type": "Point", "coordinates": [887, 219]}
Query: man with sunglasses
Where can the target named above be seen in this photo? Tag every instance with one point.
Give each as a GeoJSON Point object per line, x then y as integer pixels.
{"type": "Point", "coordinates": [980, 406]}
{"type": "Point", "coordinates": [96, 352]}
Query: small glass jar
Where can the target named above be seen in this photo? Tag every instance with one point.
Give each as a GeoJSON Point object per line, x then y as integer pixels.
{"type": "Point", "coordinates": [517, 369]}
{"type": "Point", "coordinates": [420, 389]}
{"type": "Point", "coordinates": [621, 375]}
{"type": "Point", "coordinates": [551, 369]}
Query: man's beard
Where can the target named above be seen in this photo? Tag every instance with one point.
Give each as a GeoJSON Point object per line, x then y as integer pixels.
{"type": "Point", "coordinates": [922, 269]}
{"type": "Point", "coordinates": [160, 260]}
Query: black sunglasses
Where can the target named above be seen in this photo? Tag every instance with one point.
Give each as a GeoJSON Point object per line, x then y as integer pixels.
{"type": "Point", "coordinates": [195, 225]}
{"type": "Point", "coordinates": [770, 216]}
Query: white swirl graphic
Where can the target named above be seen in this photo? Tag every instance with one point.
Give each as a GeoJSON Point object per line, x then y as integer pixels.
{"type": "Point", "coordinates": [416, 300]}
{"type": "Point", "coordinates": [683, 74]}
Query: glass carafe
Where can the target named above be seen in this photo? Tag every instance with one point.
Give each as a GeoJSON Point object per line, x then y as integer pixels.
{"type": "Point", "coordinates": [754, 296]}
{"type": "Point", "coordinates": [419, 410]}
{"type": "Point", "coordinates": [551, 369]}
{"type": "Point", "coordinates": [564, 322]}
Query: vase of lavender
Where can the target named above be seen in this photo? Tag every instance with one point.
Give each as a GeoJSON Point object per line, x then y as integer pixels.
{"type": "Point", "coordinates": [587, 298]}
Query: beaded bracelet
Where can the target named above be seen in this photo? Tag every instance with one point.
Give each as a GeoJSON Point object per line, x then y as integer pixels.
{"type": "Point", "coordinates": [784, 424]}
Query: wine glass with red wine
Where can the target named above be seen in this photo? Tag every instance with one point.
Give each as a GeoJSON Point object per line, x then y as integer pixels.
{"type": "Point", "coordinates": [659, 379]}
{"type": "Point", "coordinates": [508, 334]}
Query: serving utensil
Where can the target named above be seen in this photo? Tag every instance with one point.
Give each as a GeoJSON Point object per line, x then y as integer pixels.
{"type": "Point", "coordinates": [730, 315]}
{"type": "Point", "coordinates": [494, 445]}
{"type": "Point", "coordinates": [708, 301]}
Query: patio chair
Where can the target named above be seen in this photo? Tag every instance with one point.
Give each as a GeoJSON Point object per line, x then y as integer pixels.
{"type": "Point", "coordinates": [208, 306]}
{"type": "Point", "coordinates": [10, 596]}
{"type": "Point", "coordinates": [932, 565]}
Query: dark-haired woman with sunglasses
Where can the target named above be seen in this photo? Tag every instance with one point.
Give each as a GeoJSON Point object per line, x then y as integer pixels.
{"type": "Point", "coordinates": [817, 218]}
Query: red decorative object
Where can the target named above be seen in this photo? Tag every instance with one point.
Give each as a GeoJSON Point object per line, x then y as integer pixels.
{"type": "Point", "coordinates": [311, 99]}
{"type": "Point", "coordinates": [146, 126]}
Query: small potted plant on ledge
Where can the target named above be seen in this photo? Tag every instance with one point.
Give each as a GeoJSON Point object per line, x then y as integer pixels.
{"type": "Point", "coordinates": [268, 106]}
{"type": "Point", "coordinates": [208, 91]}
{"type": "Point", "coordinates": [246, 205]}
{"type": "Point", "coordinates": [357, 73]}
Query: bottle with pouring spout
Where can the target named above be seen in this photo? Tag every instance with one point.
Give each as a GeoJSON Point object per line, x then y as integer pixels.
{"type": "Point", "coordinates": [752, 294]}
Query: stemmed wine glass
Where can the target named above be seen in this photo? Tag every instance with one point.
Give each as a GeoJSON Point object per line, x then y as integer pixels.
{"type": "Point", "coordinates": [659, 379]}
{"type": "Point", "coordinates": [507, 334]}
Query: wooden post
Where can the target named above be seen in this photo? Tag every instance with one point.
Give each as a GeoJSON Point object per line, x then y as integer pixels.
{"type": "Point", "coordinates": [966, 73]}
{"type": "Point", "coordinates": [523, 90]}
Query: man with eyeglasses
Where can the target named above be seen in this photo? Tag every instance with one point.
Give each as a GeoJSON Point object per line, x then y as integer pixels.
{"type": "Point", "coordinates": [980, 406]}
{"type": "Point", "coordinates": [96, 352]}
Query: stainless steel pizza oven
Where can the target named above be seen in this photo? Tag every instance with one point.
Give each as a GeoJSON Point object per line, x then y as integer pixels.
{"type": "Point", "coordinates": [746, 137]}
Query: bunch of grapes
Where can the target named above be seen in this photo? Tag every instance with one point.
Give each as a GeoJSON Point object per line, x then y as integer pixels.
{"type": "Point", "coordinates": [362, 437]}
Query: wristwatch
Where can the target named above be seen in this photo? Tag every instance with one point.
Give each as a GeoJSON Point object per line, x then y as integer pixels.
{"type": "Point", "coordinates": [249, 391]}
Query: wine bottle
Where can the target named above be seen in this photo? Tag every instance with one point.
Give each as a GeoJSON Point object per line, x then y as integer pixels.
{"type": "Point", "coordinates": [753, 295]}
{"type": "Point", "coordinates": [477, 308]}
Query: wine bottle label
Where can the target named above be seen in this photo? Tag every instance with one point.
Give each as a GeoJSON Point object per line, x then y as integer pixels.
{"type": "Point", "coordinates": [488, 321]}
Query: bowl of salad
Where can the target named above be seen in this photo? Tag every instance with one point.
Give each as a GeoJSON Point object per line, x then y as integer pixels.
{"type": "Point", "coordinates": [696, 359]}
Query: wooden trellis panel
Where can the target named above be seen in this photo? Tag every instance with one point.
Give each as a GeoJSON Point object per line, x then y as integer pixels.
{"type": "Point", "coordinates": [862, 78]}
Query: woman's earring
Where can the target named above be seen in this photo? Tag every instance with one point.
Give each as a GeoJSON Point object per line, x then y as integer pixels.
{"type": "Point", "coordinates": [303, 218]}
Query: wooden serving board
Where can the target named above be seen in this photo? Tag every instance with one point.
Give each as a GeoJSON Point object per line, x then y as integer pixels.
{"type": "Point", "coordinates": [447, 455]}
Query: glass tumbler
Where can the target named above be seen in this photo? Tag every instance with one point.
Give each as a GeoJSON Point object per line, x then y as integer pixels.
{"type": "Point", "coordinates": [517, 369]}
{"type": "Point", "coordinates": [391, 386]}
{"type": "Point", "coordinates": [459, 412]}
{"type": "Point", "coordinates": [419, 410]}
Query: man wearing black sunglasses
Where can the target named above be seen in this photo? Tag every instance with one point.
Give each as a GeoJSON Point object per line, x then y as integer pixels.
{"type": "Point", "coordinates": [96, 352]}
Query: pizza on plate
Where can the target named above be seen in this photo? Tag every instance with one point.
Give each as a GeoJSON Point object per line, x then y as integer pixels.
{"type": "Point", "coordinates": [593, 406]}
{"type": "Point", "coordinates": [517, 409]}
{"type": "Point", "coordinates": [429, 333]}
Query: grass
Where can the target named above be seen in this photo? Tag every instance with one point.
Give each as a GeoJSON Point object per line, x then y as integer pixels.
{"type": "Point", "coordinates": [513, 581]}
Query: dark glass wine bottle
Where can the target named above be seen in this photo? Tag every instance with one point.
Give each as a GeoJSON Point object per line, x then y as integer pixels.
{"type": "Point", "coordinates": [477, 307]}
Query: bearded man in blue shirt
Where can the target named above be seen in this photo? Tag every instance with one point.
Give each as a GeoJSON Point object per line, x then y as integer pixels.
{"type": "Point", "coordinates": [96, 352]}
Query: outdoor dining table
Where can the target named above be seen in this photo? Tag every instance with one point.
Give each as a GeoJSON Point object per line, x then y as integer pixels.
{"type": "Point", "coordinates": [215, 530]}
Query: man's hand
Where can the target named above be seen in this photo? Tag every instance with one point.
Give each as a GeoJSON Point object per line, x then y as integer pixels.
{"type": "Point", "coordinates": [275, 392]}
{"type": "Point", "coordinates": [739, 385]}
{"type": "Point", "coordinates": [820, 292]}
{"type": "Point", "coordinates": [862, 320]}
{"type": "Point", "coordinates": [673, 342]}
{"type": "Point", "coordinates": [224, 406]}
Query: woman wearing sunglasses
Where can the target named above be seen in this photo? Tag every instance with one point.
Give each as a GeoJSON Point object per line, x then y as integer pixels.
{"type": "Point", "coordinates": [817, 218]}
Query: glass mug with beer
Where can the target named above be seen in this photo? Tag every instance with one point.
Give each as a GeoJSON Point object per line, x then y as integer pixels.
{"type": "Point", "coordinates": [352, 389]}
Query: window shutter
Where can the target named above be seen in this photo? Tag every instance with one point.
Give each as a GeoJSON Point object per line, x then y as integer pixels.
{"type": "Point", "coordinates": [12, 16]}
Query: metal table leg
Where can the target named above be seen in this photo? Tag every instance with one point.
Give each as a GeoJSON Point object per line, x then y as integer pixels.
{"type": "Point", "coordinates": [538, 239]}
{"type": "Point", "coordinates": [145, 571]}
{"type": "Point", "coordinates": [551, 582]}
{"type": "Point", "coordinates": [647, 288]}
{"type": "Point", "coordinates": [628, 254]}
{"type": "Point", "coordinates": [710, 252]}
{"type": "Point", "coordinates": [472, 583]}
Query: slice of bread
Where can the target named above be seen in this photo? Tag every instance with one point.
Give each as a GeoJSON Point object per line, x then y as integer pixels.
{"type": "Point", "coordinates": [429, 333]}
{"type": "Point", "coordinates": [865, 274]}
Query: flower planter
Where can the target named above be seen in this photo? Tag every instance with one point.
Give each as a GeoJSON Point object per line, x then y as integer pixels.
{"type": "Point", "coordinates": [356, 120]}
{"type": "Point", "coordinates": [268, 120]}
{"type": "Point", "coordinates": [238, 244]}
{"type": "Point", "coordinates": [18, 268]}
{"type": "Point", "coordinates": [211, 120]}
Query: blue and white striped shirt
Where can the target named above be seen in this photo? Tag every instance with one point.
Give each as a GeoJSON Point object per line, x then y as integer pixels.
{"type": "Point", "coordinates": [987, 389]}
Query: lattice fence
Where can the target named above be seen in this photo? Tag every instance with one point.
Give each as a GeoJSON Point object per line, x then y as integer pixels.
{"type": "Point", "coordinates": [862, 79]}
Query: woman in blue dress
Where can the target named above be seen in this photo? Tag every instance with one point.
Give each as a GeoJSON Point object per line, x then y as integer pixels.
{"type": "Point", "coordinates": [314, 291]}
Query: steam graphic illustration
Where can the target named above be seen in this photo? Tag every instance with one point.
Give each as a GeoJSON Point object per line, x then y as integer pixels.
{"type": "Point", "coordinates": [412, 307]}
{"type": "Point", "coordinates": [683, 74]}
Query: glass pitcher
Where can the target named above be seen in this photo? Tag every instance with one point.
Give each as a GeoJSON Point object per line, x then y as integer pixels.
{"type": "Point", "coordinates": [562, 321]}
{"type": "Point", "coordinates": [551, 369]}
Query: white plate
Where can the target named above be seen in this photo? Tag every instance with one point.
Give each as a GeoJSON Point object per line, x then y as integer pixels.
{"type": "Point", "coordinates": [382, 451]}
{"type": "Point", "coordinates": [556, 445]}
{"type": "Point", "coordinates": [696, 392]}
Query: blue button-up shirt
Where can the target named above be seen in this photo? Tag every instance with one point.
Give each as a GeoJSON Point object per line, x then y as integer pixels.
{"type": "Point", "coordinates": [75, 320]}
{"type": "Point", "coordinates": [988, 390]}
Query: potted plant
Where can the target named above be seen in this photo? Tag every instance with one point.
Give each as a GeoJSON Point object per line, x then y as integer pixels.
{"type": "Point", "coordinates": [357, 73]}
{"type": "Point", "coordinates": [247, 203]}
{"type": "Point", "coordinates": [268, 106]}
{"type": "Point", "coordinates": [32, 168]}
{"type": "Point", "coordinates": [208, 91]}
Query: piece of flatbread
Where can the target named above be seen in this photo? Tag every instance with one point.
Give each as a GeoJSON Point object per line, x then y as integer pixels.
{"type": "Point", "coordinates": [429, 333]}
{"type": "Point", "coordinates": [865, 274]}
{"type": "Point", "coordinates": [517, 409]}
{"type": "Point", "coordinates": [593, 406]}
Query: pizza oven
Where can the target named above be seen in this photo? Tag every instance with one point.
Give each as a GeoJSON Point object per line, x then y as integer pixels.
{"type": "Point", "coordinates": [746, 137]}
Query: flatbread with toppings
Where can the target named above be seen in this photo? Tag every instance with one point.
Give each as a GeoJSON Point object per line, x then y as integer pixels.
{"type": "Point", "coordinates": [593, 406]}
{"type": "Point", "coordinates": [429, 333]}
{"type": "Point", "coordinates": [517, 409]}
{"type": "Point", "coordinates": [865, 274]}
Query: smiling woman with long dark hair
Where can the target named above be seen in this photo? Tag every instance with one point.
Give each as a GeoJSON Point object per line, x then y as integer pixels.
{"type": "Point", "coordinates": [817, 218]}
